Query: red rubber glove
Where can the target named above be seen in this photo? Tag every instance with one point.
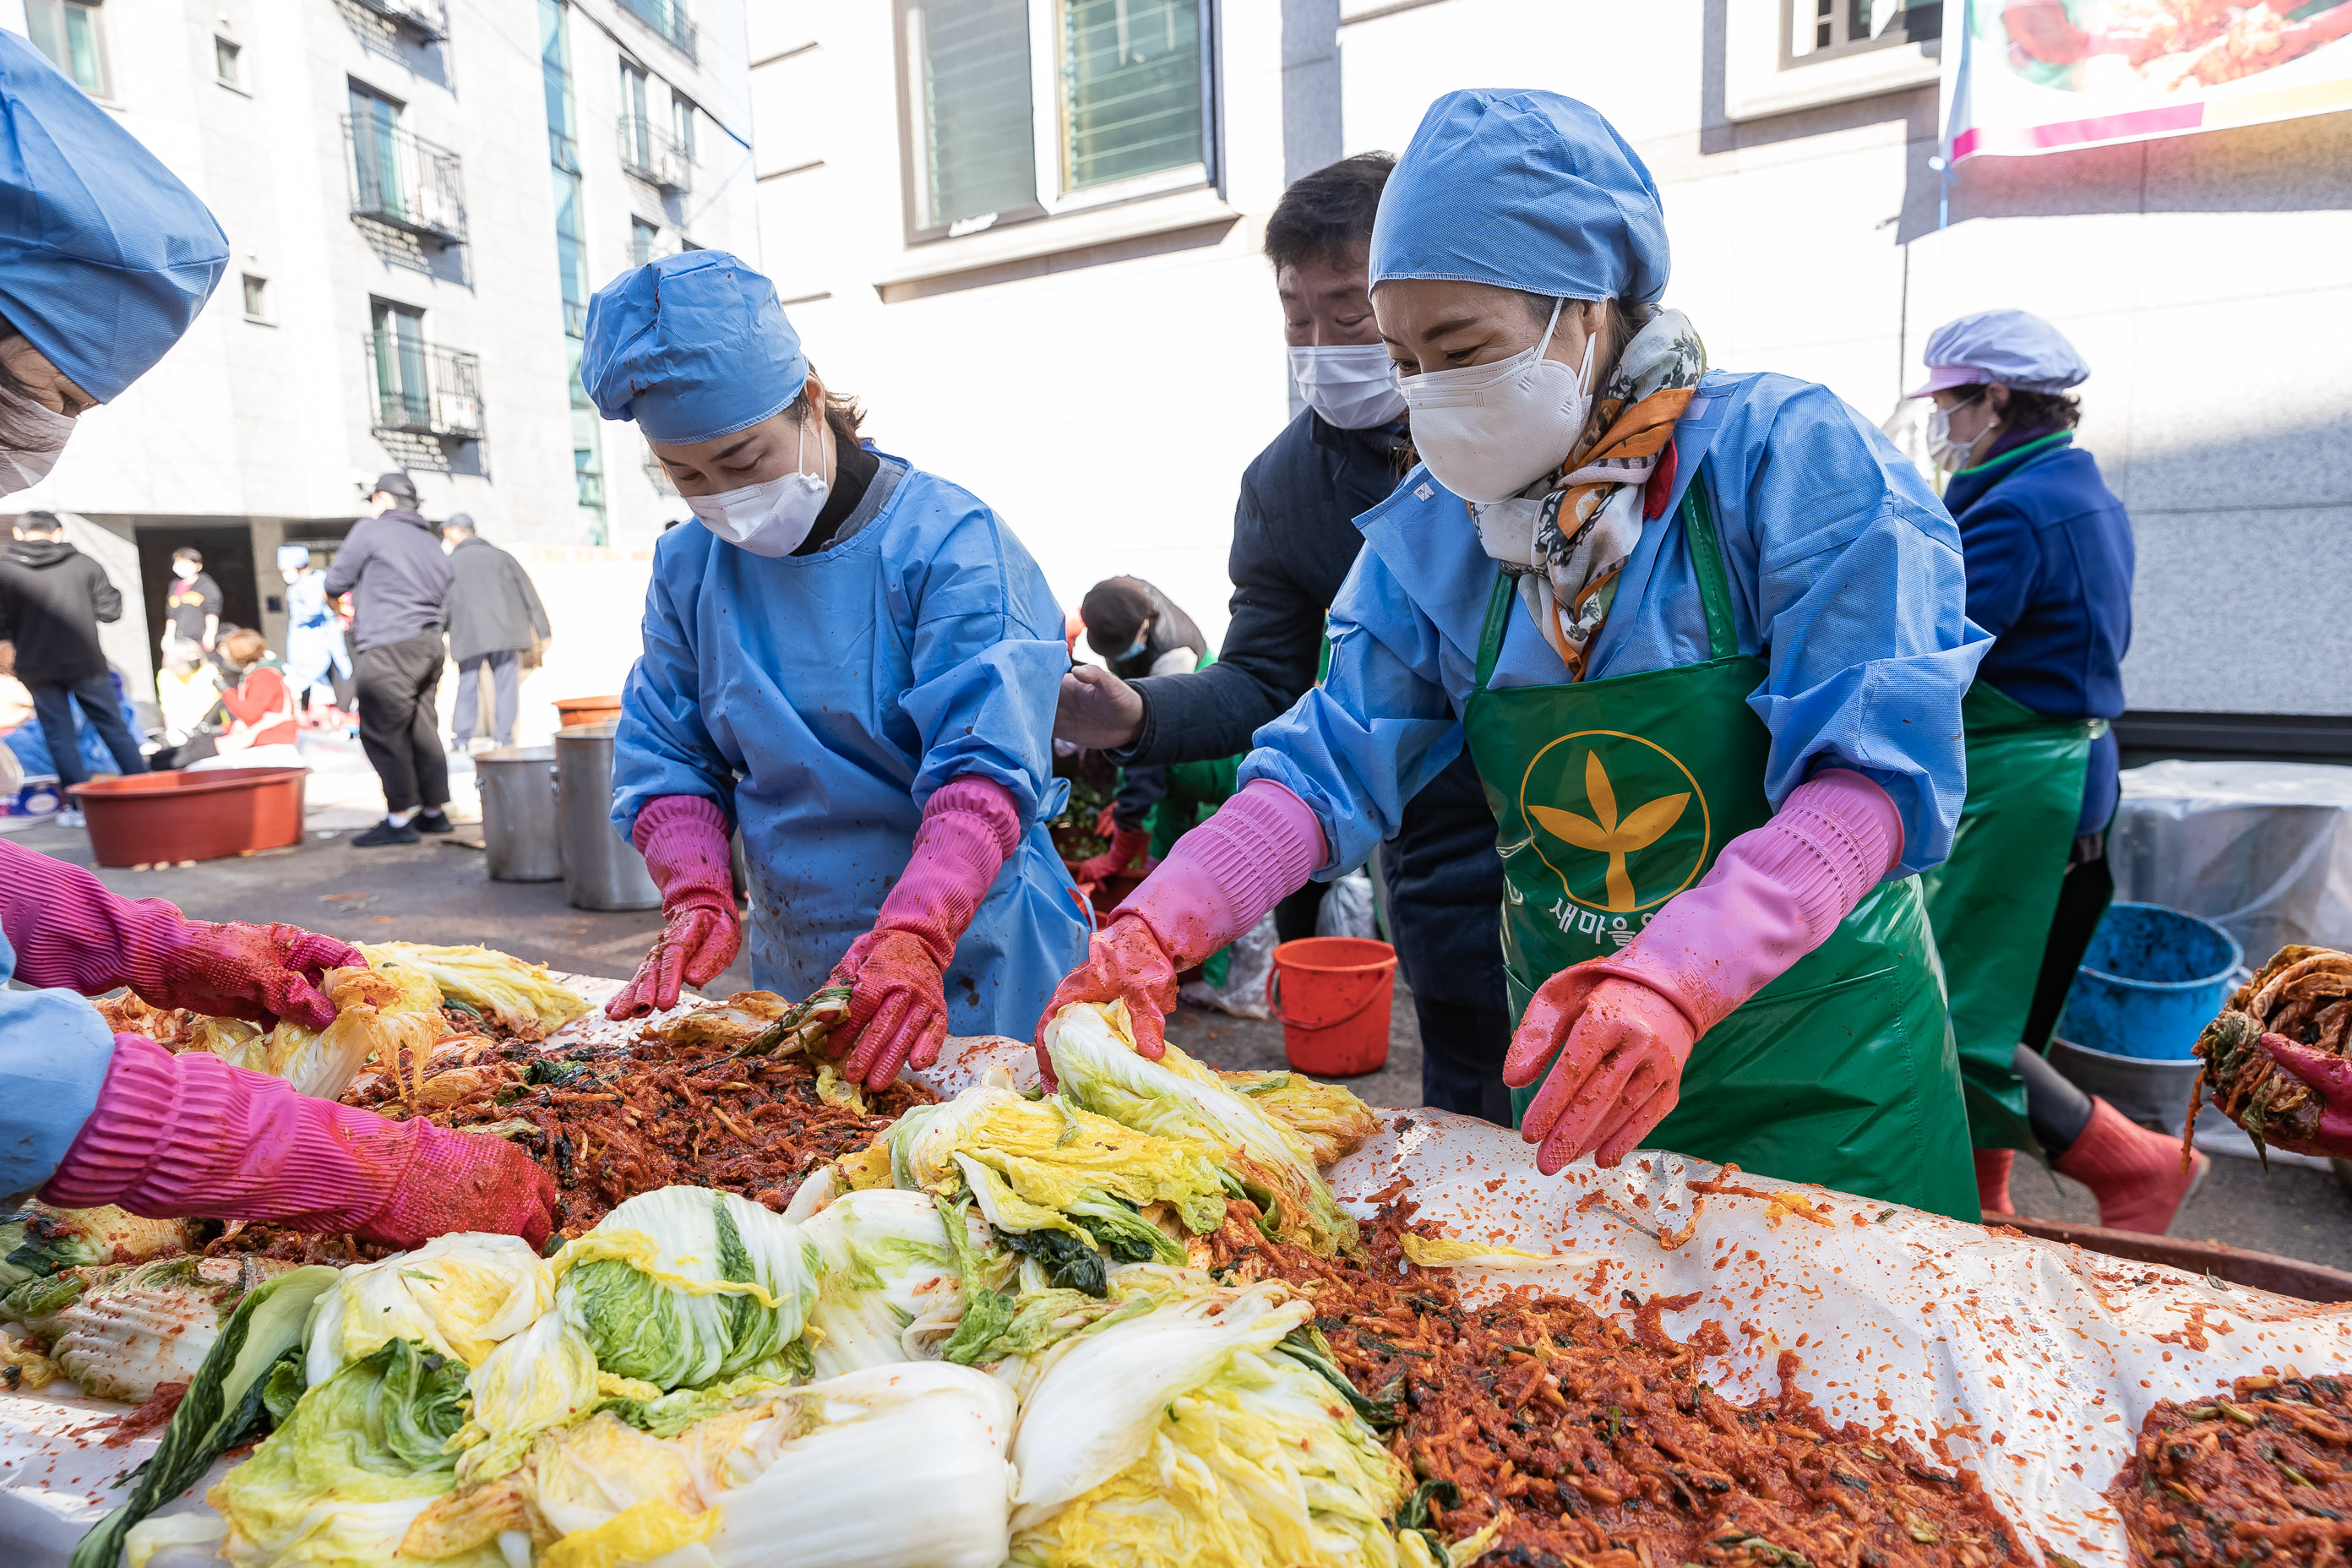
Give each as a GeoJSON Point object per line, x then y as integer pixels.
{"type": "Point", "coordinates": [2330, 1077]}
{"type": "Point", "coordinates": [72, 933]}
{"type": "Point", "coordinates": [191, 1135]}
{"type": "Point", "coordinates": [684, 840]}
{"type": "Point", "coordinates": [1218, 882]}
{"type": "Point", "coordinates": [898, 1002]}
{"type": "Point", "coordinates": [1619, 1073]}
{"type": "Point", "coordinates": [1128, 847]}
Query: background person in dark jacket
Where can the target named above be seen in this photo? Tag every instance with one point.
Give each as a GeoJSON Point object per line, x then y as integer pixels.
{"type": "Point", "coordinates": [1293, 540]}
{"type": "Point", "coordinates": [1137, 631]}
{"type": "Point", "coordinates": [398, 579]}
{"type": "Point", "coordinates": [52, 598]}
{"type": "Point", "coordinates": [493, 615]}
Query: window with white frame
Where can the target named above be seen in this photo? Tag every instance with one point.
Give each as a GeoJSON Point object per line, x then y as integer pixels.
{"type": "Point", "coordinates": [257, 298]}
{"type": "Point", "coordinates": [645, 241]}
{"type": "Point", "coordinates": [1023, 108]}
{"type": "Point", "coordinates": [72, 33]}
{"type": "Point", "coordinates": [226, 62]}
{"type": "Point", "coordinates": [681, 124]}
{"type": "Point", "coordinates": [1815, 30]}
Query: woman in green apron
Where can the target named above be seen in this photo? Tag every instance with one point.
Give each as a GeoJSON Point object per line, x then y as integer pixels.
{"type": "Point", "coordinates": [1704, 635]}
{"type": "Point", "coordinates": [2049, 554]}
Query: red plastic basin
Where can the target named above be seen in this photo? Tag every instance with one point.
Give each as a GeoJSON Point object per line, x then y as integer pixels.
{"type": "Point", "coordinates": [206, 815]}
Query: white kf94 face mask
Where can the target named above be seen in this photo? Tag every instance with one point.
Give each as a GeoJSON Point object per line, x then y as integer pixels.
{"type": "Point", "coordinates": [1352, 385]}
{"type": "Point", "coordinates": [21, 470]}
{"type": "Point", "coordinates": [769, 519]}
{"type": "Point", "coordinates": [1489, 431]}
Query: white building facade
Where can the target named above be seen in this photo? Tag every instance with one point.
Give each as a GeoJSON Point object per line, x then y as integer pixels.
{"type": "Point", "coordinates": [419, 197]}
{"type": "Point", "coordinates": [1026, 234]}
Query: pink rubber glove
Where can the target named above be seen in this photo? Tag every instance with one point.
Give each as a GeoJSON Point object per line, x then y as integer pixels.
{"type": "Point", "coordinates": [1622, 1027]}
{"type": "Point", "coordinates": [684, 840]}
{"type": "Point", "coordinates": [898, 1004]}
{"type": "Point", "coordinates": [191, 1135]}
{"type": "Point", "coordinates": [1217, 883]}
{"type": "Point", "coordinates": [70, 933]}
{"type": "Point", "coordinates": [2330, 1077]}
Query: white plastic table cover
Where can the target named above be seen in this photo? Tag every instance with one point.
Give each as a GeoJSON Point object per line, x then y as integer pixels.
{"type": "Point", "coordinates": [2031, 1363]}
{"type": "Point", "coordinates": [2261, 849]}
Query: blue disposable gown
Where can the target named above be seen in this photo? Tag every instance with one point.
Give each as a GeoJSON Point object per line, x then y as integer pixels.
{"type": "Point", "coordinates": [314, 634]}
{"type": "Point", "coordinates": [819, 699]}
{"type": "Point", "coordinates": [1846, 580]}
{"type": "Point", "coordinates": [54, 1053]}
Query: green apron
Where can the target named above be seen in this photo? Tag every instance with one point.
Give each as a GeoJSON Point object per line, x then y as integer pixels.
{"type": "Point", "coordinates": [1992, 898]}
{"type": "Point", "coordinates": [1611, 796]}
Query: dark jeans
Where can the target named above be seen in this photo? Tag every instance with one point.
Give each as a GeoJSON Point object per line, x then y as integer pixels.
{"type": "Point", "coordinates": [400, 727]}
{"type": "Point", "coordinates": [101, 707]}
{"type": "Point", "coordinates": [1462, 1051]}
{"type": "Point", "coordinates": [505, 675]}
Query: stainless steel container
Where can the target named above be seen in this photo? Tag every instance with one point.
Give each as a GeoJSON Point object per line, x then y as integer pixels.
{"type": "Point", "coordinates": [601, 870]}
{"type": "Point", "coordinates": [519, 814]}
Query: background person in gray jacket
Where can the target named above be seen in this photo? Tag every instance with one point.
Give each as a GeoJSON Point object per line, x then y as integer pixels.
{"type": "Point", "coordinates": [398, 579]}
{"type": "Point", "coordinates": [493, 615]}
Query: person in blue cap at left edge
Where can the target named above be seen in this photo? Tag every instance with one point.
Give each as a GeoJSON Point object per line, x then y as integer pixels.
{"type": "Point", "coordinates": [1703, 636]}
{"type": "Point", "coordinates": [105, 260]}
{"type": "Point", "coordinates": [855, 660]}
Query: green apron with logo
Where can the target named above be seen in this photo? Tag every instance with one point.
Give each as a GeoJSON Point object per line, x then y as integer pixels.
{"type": "Point", "coordinates": [1994, 898]}
{"type": "Point", "coordinates": [1611, 796]}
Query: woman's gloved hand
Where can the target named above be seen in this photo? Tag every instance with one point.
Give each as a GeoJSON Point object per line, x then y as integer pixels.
{"type": "Point", "coordinates": [1129, 847]}
{"type": "Point", "coordinates": [897, 1001]}
{"type": "Point", "coordinates": [684, 840]}
{"type": "Point", "coordinates": [191, 1135]}
{"type": "Point", "coordinates": [2330, 1077]}
{"type": "Point", "coordinates": [72, 933]}
{"type": "Point", "coordinates": [1616, 1031]}
{"type": "Point", "coordinates": [1218, 881]}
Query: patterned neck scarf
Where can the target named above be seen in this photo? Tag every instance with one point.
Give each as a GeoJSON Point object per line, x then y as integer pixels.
{"type": "Point", "coordinates": [1566, 537]}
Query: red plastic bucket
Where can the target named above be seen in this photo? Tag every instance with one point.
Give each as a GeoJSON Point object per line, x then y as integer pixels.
{"type": "Point", "coordinates": [1333, 994]}
{"type": "Point", "coordinates": [141, 818]}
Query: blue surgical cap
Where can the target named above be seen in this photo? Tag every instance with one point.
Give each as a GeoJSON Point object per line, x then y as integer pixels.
{"type": "Point", "coordinates": [692, 347]}
{"type": "Point", "coordinates": [1522, 190]}
{"type": "Point", "coordinates": [105, 258]}
{"type": "Point", "coordinates": [2015, 348]}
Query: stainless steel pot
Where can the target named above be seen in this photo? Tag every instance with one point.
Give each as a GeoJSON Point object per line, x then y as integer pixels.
{"type": "Point", "coordinates": [601, 870]}
{"type": "Point", "coordinates": [520, 814]}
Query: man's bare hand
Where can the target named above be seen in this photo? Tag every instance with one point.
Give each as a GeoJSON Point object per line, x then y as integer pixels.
{"type": "Point", "coordinates": [1097, 709]}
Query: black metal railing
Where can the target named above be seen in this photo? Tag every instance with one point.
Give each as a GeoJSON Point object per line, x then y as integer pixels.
{"type": "Point", "coordinates": [423, 388]}
{"type": "Point", "coordinates": [667, 18]}
{"type": "Point", "coordinates": [650, 155]}
{"type": "Point", "coordinates": [427, 20]}
{"type": "Point", "coordinates": [400, 179]}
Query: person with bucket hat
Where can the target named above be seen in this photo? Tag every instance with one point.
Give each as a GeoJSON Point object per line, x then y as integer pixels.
{"type": "Point", "coordinates": [108, 259]}
{"type": "Point", "coordinates": [2049, 555]}
{"type": "Point", "coordinates": [1704, 637]}
{"type": "Point", "coordinates": [851, 659]}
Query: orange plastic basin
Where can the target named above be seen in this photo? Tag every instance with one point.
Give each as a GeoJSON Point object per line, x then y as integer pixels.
{"type": "Point", "coordinates": [207, 815]}
{"type": "Point", "coordinates": [572, 711]}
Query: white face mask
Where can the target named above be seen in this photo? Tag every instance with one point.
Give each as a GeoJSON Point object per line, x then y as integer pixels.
{"type": "Point", "coordinates": [1353, 385]}
{"type": "Point", "coordinates": [1489, 431]}
{"type": "Point", "coordinates": [21, 470]}
{"type": "Point", "coordinates": [185, 571]}
{"type": "Point", "coordinates": [769, 519]}
{"type": "Point", "coordinates": [1942, 450]}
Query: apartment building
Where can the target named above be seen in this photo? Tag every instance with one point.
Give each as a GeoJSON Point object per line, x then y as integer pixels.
{"type": "Point", "coordinates": [1026, 233]}
{"type": "Point", "coordinates": [420, 196]}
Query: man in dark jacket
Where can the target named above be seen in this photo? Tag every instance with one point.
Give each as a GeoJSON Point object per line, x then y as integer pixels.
{"type": "Point", "coordinates": [398, 579]}
{"type": "Point", "coordinates": [494, 614]}
{"type": "Point", "coordinates": [52, 598]}
{"type": "Point", "coordinates": [1293, 540]}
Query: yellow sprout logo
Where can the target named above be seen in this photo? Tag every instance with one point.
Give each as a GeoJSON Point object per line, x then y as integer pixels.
{"type": "Point", "coordinates": [1643, 860]}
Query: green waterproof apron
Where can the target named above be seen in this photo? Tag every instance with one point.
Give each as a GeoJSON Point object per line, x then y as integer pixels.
{"type": "Point", "coordinates": [1992, 898]}
{"type": "Point", "coordinates": [1611, 796]}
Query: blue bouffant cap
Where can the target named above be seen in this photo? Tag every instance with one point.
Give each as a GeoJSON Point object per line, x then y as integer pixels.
{"type": "Point", "coordinates": [1522, 190]}
{"type": "Point", "coordinates": [692, 347]}
{"type": "Point", "coordinates": [105, 256]}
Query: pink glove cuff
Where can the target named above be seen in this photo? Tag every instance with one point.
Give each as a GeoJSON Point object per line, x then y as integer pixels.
{"type": "Point", "coordinates": [134, 1117]}
{"type": "Point", "coordinates": [970, 826]}
{"type": "Point", "coordinates": [1773, 895]}
{"type": "Point", "coordinates": [1220, 879]}
{"type": "Point", "coordinates": [684, 840]}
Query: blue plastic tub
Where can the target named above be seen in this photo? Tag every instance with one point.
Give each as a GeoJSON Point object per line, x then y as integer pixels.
{"type": "Point", "coordinates": [2150, 981]}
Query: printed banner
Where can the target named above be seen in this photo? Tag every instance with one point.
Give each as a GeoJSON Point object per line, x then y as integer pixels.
{"type": "Point", "coordinates": [2044, 76]}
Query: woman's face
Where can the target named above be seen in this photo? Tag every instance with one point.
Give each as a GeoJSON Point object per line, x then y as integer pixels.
{"type": "Point", "coordinates": [51, 386]}
{"type": "Point", "coordinates": [769, 450]}
{"type": "Point", "coordinates": [1972, 411]}
{"type": "Point", "coordinates": [1431, 324]}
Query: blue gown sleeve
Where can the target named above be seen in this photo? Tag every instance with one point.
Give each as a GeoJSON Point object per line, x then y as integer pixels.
{"type": "Point", "coordinates": [987, 663]}
{"type": "Point", "coordinates": [1359, 746]}
{"type": "Point", "coordinates": [54, 1053]}
{"type": "Point", "coordinates": [1861, 601]}
{"type": "Point", "coordinates": [661, 746]}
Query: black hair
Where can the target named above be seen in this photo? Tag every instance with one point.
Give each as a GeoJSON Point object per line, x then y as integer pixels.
{"type": "Point", "coordinates": [16, 395]}
{"type": "Point", "coordinates": [38, 522]}
{"type": "Point", "coordinates": [190, 554]}
{"type": "Point", "coordinates": [2041, 410]}
{"type": "Point", "coordinates": [844, 415]}
{"type": "Point", "coordinates": [1327, 213]}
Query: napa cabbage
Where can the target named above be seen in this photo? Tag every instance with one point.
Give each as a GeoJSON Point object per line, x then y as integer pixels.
{"type": "Point", "coordinates": [393, 1013]}
{"type": "Point", "coordinates": [892, 1289]}
{"type": "Point", "coordinates": [38, 1240]}
{"type": "Point", "coordinates": [1334, 1123]}
{"type": "Point", "coordinates": [521, 998]}
{"type": "Point", "coordinates": [459, 1295]}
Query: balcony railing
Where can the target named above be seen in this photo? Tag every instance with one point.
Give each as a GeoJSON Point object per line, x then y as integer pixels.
{"type": "Point", "coordinates": [424, 389]}
{"type": "Point", "coordinates": [667, 18]}
{"type": "Point", "coordinates": [423, 20]}
{"type": "Point", "coordinates": [400, 179]}
{"type": "Point", "coordinates": [654, 158]}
